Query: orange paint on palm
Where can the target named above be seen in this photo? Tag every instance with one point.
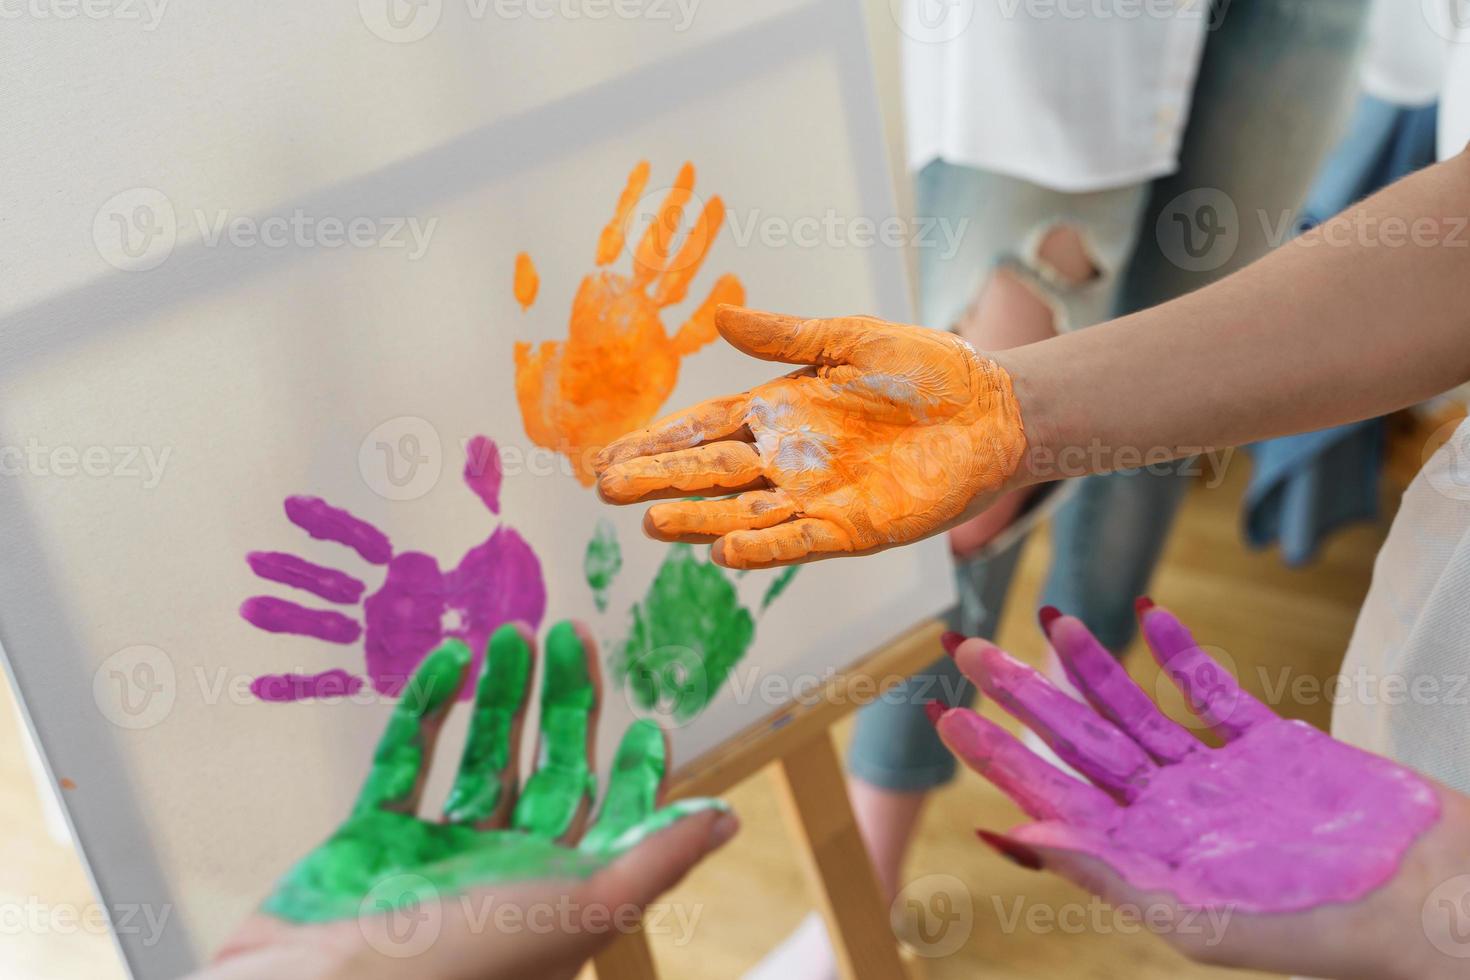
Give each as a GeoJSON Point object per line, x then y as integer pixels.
{"type": "Point", "coordinates": [526, 281]}
{"type": "Point", "coordinates": [618, 363]}
{"type": "Point", "coordinates": [886, 439]}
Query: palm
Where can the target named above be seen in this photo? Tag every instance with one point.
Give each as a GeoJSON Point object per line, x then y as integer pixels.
{"type": "Point", "coordinates": [1281, 818]}
{"type": "Point", "coordinates": [886, 438]}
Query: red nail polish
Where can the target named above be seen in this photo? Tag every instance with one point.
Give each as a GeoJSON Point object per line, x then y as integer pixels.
{"type": "Point", "coordinates": [1047, 615]}
{"type": "Point", "coordinates": [1012, 850]}
{"type": "Point", "coordinates": [951, 641]}
{"type": "Point", "coordinates": [1142, 605]}
{"type": "Point", "coordinates": [934, 710]}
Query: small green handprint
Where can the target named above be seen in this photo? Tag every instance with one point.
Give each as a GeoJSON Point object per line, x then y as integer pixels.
{"type": "Point", "coordinates": [491, 833]}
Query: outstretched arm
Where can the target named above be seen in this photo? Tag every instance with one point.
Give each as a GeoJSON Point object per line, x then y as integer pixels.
{"type": "Point", "coordinates": [1365, 314]}
{"type": "Point", "coordinates": [892, 433]}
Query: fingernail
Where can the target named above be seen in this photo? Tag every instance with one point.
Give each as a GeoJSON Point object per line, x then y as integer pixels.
{"type": "Point", "coordinates": [1047, 615]}
{"type": "Point", "coordinates": [951, 641]}
{"type": "Point", "coordinates": [1012, 850]}
{"type": "Point", "coordinates": [1142, 605]}
{"type": "Point", "coordinates": [723, 829]}
{"type": "Point", "coordinates": [934, 710]}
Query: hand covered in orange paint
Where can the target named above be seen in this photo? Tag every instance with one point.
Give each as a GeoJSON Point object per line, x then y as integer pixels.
{"type": "Point", "coordinates": [889, 435]}
{"type": "Point", "coordinates": [618, 363]}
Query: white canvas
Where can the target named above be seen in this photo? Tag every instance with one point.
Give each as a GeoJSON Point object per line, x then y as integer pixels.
{"type": "Point", "coordinates": [201, 381]}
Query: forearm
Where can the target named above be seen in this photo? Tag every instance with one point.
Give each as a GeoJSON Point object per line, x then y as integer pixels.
{"type": "Point", "coordinates": [1367, 314]}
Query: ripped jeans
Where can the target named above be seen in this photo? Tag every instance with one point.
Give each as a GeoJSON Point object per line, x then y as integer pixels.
{"type": "Point", "coordinates": [1273, 84]}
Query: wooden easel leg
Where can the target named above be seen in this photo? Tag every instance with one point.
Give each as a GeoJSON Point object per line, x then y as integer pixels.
{"type": "Point", "coordinates": [819, 815]}
{"type": "Point", "coordinates": [628, 958]}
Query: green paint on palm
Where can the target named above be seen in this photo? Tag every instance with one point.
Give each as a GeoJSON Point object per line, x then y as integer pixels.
{"type": "Point", "coordinates": [688, 633]}
{"type": "Point", "coordinates": [602, 562]}
{"type": "Point", "coordinates": [384, 857]}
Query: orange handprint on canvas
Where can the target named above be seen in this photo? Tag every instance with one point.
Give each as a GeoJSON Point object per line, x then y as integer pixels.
{"type": "Point", "coordinates": [619, 363]}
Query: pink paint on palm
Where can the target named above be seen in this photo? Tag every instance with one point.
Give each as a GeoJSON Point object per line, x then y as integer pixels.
{"type": "Point", "coordinates": [1281, 818]}
{"type": "Point", "coordinates": [418, 605]}
{"type": "Point", "coordinates": [482, 471]}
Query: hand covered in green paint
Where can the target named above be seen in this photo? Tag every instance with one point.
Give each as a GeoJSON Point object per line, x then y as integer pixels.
{"type": "Point", "coordinates": [463, 895]}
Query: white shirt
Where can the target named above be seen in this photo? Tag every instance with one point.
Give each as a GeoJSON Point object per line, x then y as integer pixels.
{"type": "Point", "coordinates": [1069, 94]}
{"type": "Point", "coordinates": [1405, 684]}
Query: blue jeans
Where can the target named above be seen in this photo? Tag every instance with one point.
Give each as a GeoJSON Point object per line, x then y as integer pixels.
{"type": "Point", "coordinates": [1272, 81]}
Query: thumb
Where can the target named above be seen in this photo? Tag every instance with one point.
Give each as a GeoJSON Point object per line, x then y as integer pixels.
{"type": "Point", "coordinates": [779, 337]}
{"type": "Point", "coordinates": [1045, 847]}
{"type": "Point", "coordinates": [662, 860]}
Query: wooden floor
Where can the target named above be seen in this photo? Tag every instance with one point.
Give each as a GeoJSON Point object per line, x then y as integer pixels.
{"type": "Point", "coordinates": [1249, 605]}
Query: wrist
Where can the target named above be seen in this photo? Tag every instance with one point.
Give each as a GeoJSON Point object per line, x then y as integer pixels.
{"type": "Point", "coordinates": [1027, 377]}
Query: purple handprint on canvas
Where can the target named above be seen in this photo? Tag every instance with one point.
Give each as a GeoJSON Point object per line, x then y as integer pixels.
{"type": "Point", "coordinates": [417, 606]}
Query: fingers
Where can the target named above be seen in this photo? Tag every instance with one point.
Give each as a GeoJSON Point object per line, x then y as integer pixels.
{"type": "Point", "coordinates": [633, 789]}
{"type": "Point", "coordinates": [614, 233]}
{"type": "Point", "coordinates": [1040, 789]}
{"type": "Point", "coordinates": [661, 860]}
{"type": "Point", "coordinates": [484, 789]}
{"type": "Point", "coordinates": [1208, 688]}
{"type": "Point", "coordinates": [699, 329]}
{"type": "Point", "coordinates": [780, 545]}
{"type": "Point", "coordinates": [718, 466]}
{"type": "Point", "coordinates": [556, 797]}
{"type": "Point", "coordinates": [653, 250]}
{"type": "Point", "coordinates": [397, 775]}
{"type": "Point", "coordinates": [714, 419]}
{"type": "Point", "coordinates": [1109, 689]}
{"type": "Point", "coordinates": [684, 265]}
{"type": "Point", "coordinates": [1084, 741]}
{"type": "Point", "coordinates": [711, 518]}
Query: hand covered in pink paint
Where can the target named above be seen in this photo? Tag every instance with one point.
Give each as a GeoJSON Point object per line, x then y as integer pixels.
{"type": "Point", "coordinates": [1283, 849]}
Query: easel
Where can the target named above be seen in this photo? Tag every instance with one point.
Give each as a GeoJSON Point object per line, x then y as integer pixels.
{"type": "Point", "coordinates": [798, 739]}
